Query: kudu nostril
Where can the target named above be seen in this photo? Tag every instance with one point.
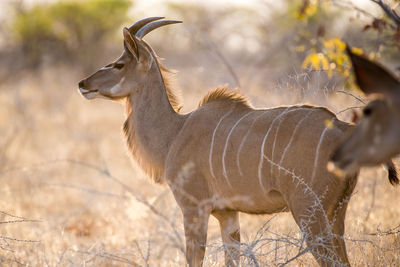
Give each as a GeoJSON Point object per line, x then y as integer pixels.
{"type": "Point", "coordinates": [82, 84]}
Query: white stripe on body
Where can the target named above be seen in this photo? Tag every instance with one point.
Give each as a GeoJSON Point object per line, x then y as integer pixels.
{"type": "Point", "coordinates": [292, 137]}
{"type": "Point", "coordinates": [263, 146]}
{"type": "Point", "coordinates": [276, 134]}
{"type": "Point", "coordinates": [226, 144]}
{"type": "Point", "coordinates": [212, 142]}
{"type": "Point", "coordinates": [317, 154]}
{"type": "Point", "coordinates": [243, 141]}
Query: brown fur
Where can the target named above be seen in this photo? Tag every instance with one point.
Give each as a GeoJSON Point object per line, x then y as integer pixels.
{"type": "Point", "coordinates": [150, 168]}
{"type": "Point", "coordinates": [226, 157]}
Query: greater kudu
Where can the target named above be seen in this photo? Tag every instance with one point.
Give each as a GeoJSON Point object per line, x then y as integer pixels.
{"type": "Point", "coordinates": [376, 138]}
{"type": "Point", "coordinates": [226, 157]}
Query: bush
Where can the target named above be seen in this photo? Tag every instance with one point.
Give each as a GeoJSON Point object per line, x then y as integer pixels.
{"type": "Point", "coordinates": [68, 30]}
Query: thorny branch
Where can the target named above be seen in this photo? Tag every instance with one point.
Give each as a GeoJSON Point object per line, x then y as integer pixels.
{"type": "Point", "coordinates": [175, 237]}
{"type": "Point", "coordinates": [210, 45]}
{"type": "Point", "coordinates": [251, 251]}
{"type": "Point", "coordinates": [108, 256]}
{"type": "Point", "coordinates": [352, 95]}
{"type": "Point", "coordinates": [177, 240]}
{"type": "Point", "coordinates": [17, 219]}
{"type": "Point", "coordinates": [351, 5]}
{"type": "Point", "coordinates": [19, 240]}
{"type": "Point", "coordinates": [349, 108]}
{"type": "Point", "coordinates": [391, 13]}
{"type": "Point", "coordinates": [145, 257]}
{"type": "Point", "coordinates": [393, 231]}
{"type": "Point", "coordinates": [87, 190]}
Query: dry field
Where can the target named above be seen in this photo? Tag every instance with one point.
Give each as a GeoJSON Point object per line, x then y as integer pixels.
{"type": "Point", "coordinates": [70, 196]}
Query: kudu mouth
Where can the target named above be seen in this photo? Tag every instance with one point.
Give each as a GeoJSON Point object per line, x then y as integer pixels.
{"type": "Point", "coordinates": [341, 165]}
{"type": "Point", "coordinates": [85, 92]}
{"type": "Point", "coordinates": [341, 169]}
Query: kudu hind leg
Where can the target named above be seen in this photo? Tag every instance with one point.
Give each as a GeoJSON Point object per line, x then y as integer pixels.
{"type": "Point", "coordinates": [230, 232]}
{"type": "Point", "coordinates": [323, 239]}
{"type": "Point", "coordinates": [338, 218]}
{"type": "Point", "coordinates": [195, 222]}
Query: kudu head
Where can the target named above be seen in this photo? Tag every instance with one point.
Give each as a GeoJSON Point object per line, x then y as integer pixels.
{"type": "Point", "coordinates": [129, 72]}
{"type": "Point", "coordinates": [376, 138]}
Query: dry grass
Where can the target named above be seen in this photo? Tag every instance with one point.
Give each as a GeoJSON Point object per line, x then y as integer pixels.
{"type": "Point", "coordinates": [69, 195]}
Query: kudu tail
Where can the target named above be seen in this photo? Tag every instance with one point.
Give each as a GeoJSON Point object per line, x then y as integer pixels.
{"type": "Point", "coordinates": [393, 173]}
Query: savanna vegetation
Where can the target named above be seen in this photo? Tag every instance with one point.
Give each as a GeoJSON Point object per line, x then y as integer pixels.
{"type": "Point", "coordinates": [70, 194]}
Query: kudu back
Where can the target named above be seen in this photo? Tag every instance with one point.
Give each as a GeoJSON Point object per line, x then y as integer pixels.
{"type": "Point", "coordinates": [226, 157]}
{"type": "Point", "coordinates": [376, 139]}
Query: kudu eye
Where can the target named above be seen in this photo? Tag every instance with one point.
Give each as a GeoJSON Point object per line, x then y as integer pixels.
{"type": "Point", "coordinates": [119, 65]}
{"type": "Point", "coordinates": [367, 112]}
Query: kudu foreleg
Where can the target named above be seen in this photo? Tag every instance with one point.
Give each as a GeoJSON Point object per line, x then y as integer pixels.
{"type": "Point", "coordinates": [195, 221]}
{"type": "Point", "coordinates": [230, 232]}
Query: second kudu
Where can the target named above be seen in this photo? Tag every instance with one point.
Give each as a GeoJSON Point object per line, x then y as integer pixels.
{"type": "Point", "coordinates": [226, 157]}
{"type": "Point", "coordinates": [377, 136]}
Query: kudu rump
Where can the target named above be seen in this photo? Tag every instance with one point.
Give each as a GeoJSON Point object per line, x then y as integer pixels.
{"type": "Point", "coordinates": [376, 138]}
{"type": "Point", "coordinates": [226, 157]}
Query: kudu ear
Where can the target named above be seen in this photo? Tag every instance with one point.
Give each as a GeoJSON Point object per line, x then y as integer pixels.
{"type": "Point", "coordinates": [130, 44]}
{"type": "Point", "coordinates": [372, 77]}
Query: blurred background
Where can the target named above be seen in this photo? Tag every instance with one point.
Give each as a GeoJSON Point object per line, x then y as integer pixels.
{"type": "Point", "coordinates": [69, 194]}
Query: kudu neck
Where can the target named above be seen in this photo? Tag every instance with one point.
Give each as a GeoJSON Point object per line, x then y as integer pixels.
{"type": "Point", "coordinates": [152, 124]}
